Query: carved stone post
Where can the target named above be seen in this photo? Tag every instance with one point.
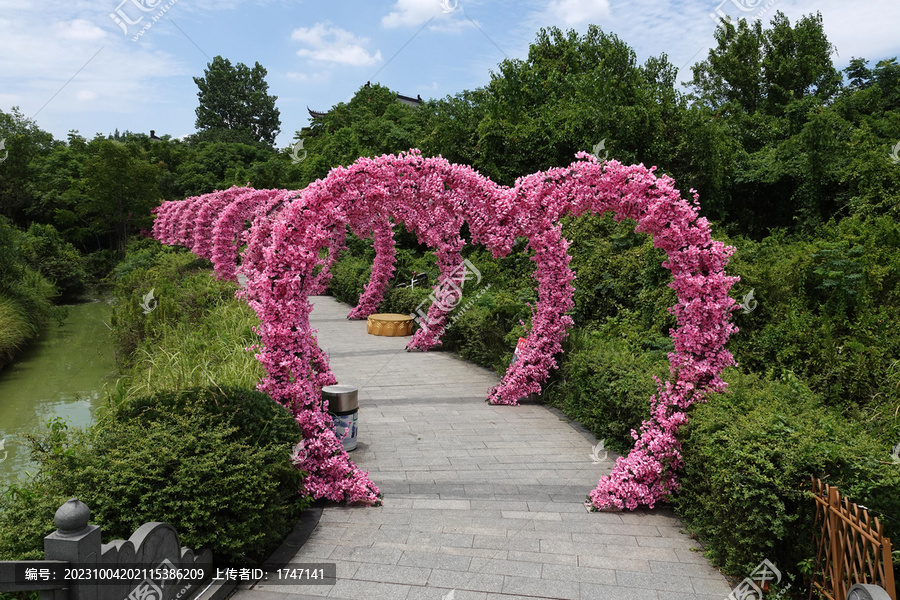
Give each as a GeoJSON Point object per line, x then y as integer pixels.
{"type": "Point", "coordinates": [76, 542]}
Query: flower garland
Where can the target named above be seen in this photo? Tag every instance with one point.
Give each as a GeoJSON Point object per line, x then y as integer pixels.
{"type": "Point", "coordinates": [211, 207]}
{"type": "Point", "coordinates": [229, 225]}
{"type": "Point", "coordinates": [434, 199]}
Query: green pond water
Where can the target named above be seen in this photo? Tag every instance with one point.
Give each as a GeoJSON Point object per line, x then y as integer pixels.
{"type": "Point", "coordinates": [62, 374]}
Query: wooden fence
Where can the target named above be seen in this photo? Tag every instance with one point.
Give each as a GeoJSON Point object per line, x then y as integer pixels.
{"type": "Point", "coordinates": [850, 547]}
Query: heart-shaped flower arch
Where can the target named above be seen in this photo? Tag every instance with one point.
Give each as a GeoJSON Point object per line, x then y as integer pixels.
{"type": "Point", "coordinates": [284, 264]}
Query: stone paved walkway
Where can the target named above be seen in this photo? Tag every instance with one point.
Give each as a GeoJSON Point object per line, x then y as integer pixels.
{"type": "Point", "coordinates": [484, 500]}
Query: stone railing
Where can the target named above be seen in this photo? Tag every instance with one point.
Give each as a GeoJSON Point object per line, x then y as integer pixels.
{"type": "Point", "coordinates": [868, 591]}
{"type": "Point", "coordinates": [78, 566]}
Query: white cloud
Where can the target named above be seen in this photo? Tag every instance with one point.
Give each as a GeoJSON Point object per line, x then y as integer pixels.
{"type": "Point", "coordinates": [320, 77]}
{"type": "Point", "coordinates": [577, 12]}
{"type": "Point", "coordinates": [869, 33]}
{"type": "Point", "coordinates": [79, 30]}
{"type": "Point", "coordinates": [416, 12]}
{"type": "Point", "coordinates": [333, 44]}
{"type": "Point", "coordinates": [85, 95]}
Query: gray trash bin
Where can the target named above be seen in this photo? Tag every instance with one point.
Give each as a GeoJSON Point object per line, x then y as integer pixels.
{"type": "Point", "coordinates": [343, 405]}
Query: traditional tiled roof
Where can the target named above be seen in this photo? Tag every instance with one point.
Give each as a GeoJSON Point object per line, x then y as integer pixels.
{"type": "Point", "coordinates": [407, 100]}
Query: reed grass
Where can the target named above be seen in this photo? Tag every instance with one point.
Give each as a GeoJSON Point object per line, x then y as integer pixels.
{"type": "Point", "coordinates": [202, 352]}
{"type": "Point", "coordinates": [15, 328]}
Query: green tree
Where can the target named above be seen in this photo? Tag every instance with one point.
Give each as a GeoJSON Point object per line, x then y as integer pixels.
{"type": "Point", "coordinates": [860, 75]}
{"type": "Point", "coordinates": [235, 105]}
{"type": "Point", "coordinates": [219, 165]}
{"type": "Point", "coordinates": [452, 128]}
{"type": "Point", "coordinates": [57, 260]}
{"type": "Point", "coordinates": [120, 189]}
{"type": "Point", "coordinates": [22, 141]}
{"type": "Point", "coordinates": [571, 93]}
{"type": "Point", "coordinates": [372, 123]}
{"type": "Point", "coordinates": [731, 76]}
{"type": "Point", "coordinates": [754, 69]}
{"type": "Point", "coordinates": [98, 192]}
{"type": "Point", "coordinates": [770, 91]}
{"type": "Point", "coordinates": [887, 76]}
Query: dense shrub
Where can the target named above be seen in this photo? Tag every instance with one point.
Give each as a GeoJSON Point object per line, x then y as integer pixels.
{"type": "Point", "coordinates": [349, 277]}
{"type": "Point", "coordinates": [486, 326]}
{"type": "Point", "coordinates": [45, 251]}
{"type": "Point", "coordinates": [826, 311]}
{"type": "Point", "coordinates": [213, 462]}
{"type": "Point", "coordinates": [750, 455]}
{"type": "Point", "coordinates": [605, 384]}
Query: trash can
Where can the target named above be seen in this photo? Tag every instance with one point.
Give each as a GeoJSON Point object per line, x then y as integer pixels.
{"type": "Point", "coordinates": [343, 406]}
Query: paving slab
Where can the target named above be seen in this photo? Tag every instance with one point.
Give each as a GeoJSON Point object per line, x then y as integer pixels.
{"type": "Point", "coordinates": [484, 500]}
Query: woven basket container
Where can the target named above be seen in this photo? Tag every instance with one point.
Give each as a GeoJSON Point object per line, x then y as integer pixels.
{"type": "Point", "coordinates": [389, 325]}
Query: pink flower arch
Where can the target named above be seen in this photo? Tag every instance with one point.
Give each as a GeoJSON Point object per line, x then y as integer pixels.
{"type": "Point", "coordinates": [434, 199]}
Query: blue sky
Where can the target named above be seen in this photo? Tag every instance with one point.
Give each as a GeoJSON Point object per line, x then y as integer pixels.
{"type": "Point", "coordinates": [70, 65]}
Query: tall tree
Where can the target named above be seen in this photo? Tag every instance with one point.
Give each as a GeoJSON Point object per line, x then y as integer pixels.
{"type": "Point", "coordinates": [235, 105]}
{"type": "Point", "coordinates": [97, 192]}
{"type": "Point", "coordinates": [572, 93]}
{"type": "Point", "coordinates": [754, 69]}
{"type": "Point", "coordinates": [20, 142]}
{"type": "Point", "coordinates": [372, 123]}
{"type": "Point", "coordinates": [732, 73]}
{"type": "Point", "coordinates": [120, 189]}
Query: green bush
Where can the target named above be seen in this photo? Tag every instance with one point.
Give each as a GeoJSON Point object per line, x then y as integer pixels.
{"type": "Point", "coordinates": [47, 252]}
{"type": "Point", "coordinates": [605, 384]}
{"type": "Point", "coordinates": [26, 293]}
{"type": "Point", "coordinates": [350, 274]}
{"type": "Point", "coordinates": [826, 310]}
{"type": "Point", "coordinates": [750, 455]}
{"type": "Point", "coordinates": [214, 463]}
{"type": "Point", "coordinates": [404, 300]}
{"type": "Point", "coordinates": [485, 326]}
{"type": "Point", "coordinates": [99, 264]}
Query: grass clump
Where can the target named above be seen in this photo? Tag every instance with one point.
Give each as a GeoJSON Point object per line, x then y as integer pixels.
{"type": "Point", "coordinates": [15, 329]}
{"type": "Point", "coordinates": [196, 334]}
